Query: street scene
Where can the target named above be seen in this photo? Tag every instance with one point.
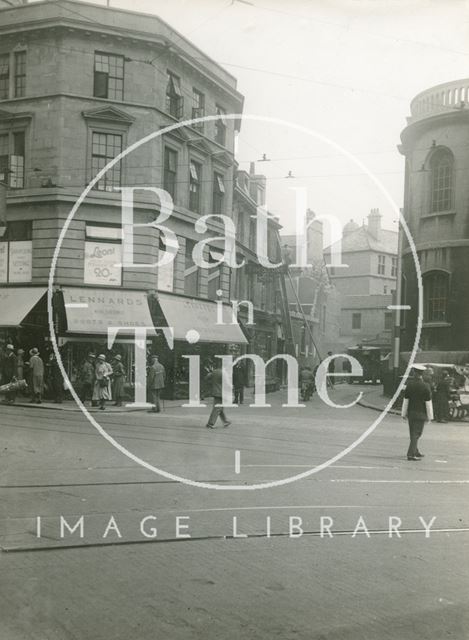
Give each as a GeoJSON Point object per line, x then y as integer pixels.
{"type": "Point", "coordinates": [234, 320]}
{"type": "Point", "coordinates": [120, 583]}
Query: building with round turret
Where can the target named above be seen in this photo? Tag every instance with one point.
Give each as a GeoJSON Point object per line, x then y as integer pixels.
{"type": "Point", "coordinates": [435, 144]}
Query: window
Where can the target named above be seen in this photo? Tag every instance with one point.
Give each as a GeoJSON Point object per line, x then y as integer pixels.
{"type": "Point", "coordinates": [240, 227]}
{"type": "Point", "coordinates": [218, 193]}
{"type": "Point", "coordinates": [174, 99]}
{"type": "Point", "coordinates": [16, 255]}
{"type": "Point", "coordinates": [108, 76]}
{"type": "Point", "coordinates": [435, 295]}
{"type": "Point", "coordinates": [198, 108]}
{"type": "Point", "coordinates": [4, 76]}
{"type": "Point", "coordinates": [20, 74]}
{"type": "Point", "coordinates": [105, 147]}
{"type": "Point", "coordinates": [356, 320]}
{"type": "Point", "coordinates": [166, 271]}
{"type": "Point", "coordinates": [195, 174]}
{"type": "Point", "coordinates": [214, 275]}
{"type": "Point", "coordinates": [388, 321]}
{"type": "Point", "coordinates": [191, 272]}
{"type": "Point", "coordinates": [220, 126]}
{"type": "Point", "coordinates": [441, 166]}
{"type": "Point", "coordinates": [324, 318]}
{"type": "Point", "coordinates": [170, 171]}
{"type": "Point", "coordinates": [394, 267]}
{"type": "Point", "coordinates": [381, 265]}
{"type": "Point", "coordinates": [12, 158]}
{"type": "Point", "coordinates": [103, 255]}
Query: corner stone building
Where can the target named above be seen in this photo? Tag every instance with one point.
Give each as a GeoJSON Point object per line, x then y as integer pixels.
{"type": "Point", "coordinates": [436, 209]}
{"type": "Point", "coordinates": [79, 83]}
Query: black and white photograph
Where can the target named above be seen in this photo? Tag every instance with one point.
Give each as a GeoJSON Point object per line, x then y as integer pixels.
{"type": "Point", "coordinates": [234, 320]}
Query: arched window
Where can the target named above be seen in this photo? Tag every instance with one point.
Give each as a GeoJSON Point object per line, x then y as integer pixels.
{"type": "Point", "coordinates": [441, 165]}
{"type": "Point", "coordinates": [435, 295]}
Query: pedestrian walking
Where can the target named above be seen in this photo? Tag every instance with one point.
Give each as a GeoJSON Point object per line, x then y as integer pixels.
{"type": "Point", "coordinates": [417, 408]}
{"type": "Point", "coordinates": [86, 378]}
{"type": "Point", "coordinates": [442, 398]}
{"type": "Point", "coordinates": [118, 377]}
{"type": "Point", "coordinates": [36, 367]}
{"type": "Point", "coordinates": [156, 382]}
{"type": "Point", "coordinates": [239, 381]}
{"type": "Point", "coordinates": [102, 383]}
{"type": "Point", "coordinates": [214, 382]}
{"type": "Point", "coordinates": [9, 372]}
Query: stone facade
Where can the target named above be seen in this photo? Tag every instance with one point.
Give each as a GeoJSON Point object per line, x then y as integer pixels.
{"type": "Point", "coordinates": [366, 285]}
{"type": "Point", "coordinates": [436, 209]}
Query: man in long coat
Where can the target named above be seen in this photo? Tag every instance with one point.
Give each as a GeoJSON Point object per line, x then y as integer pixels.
{"type": "Point", "coordinates": [118, 376]}
{"type": "Point", "coordinates": [36, 367]}
{"type": "Point", "coordinates": [156, 382]}
{"type": "Point", "coordinates": [417, 408]}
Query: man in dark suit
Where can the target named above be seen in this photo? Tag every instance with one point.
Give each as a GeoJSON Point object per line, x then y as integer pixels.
{"type": "Point", "coordinates": [417, 408]}
{"type": "Point", "coordinates": [214, 382]}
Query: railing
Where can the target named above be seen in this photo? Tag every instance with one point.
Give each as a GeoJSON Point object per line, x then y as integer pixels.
{"type": "Point", "coordinates": [440, 99]}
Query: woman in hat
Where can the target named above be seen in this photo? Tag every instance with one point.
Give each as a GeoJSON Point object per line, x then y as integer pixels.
{"type": "Point", "coordinates": [36, 367]}
{"type": "Point", "coordinates": [118, 376]}
{"type": "Point", "coordinates": [102, 385]}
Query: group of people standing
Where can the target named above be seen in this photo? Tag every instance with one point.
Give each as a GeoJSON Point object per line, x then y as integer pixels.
{"type": "Point", "coordinates": [15, 367]}
{"type": "Point", "coordinates": [100, 380]}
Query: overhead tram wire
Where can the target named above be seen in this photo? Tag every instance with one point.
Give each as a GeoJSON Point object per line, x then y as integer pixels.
{"type": "Point", "coordinates": [350, 28]}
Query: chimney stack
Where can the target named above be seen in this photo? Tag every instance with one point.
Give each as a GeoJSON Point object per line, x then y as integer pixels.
{"type": "Point", "coordinates": [252, 168]}
{"type": "Point", "coordinates": [374, 223]}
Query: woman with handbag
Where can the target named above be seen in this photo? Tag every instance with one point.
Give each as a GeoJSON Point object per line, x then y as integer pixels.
{"type": "Point", "coordinates": [102, 385]}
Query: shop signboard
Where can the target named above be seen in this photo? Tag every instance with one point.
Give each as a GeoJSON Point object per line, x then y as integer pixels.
{"type": "Point", "coordinates": [96, 310]}
{"type": "Point", "coordinates": [166, 277]}
{"type": "Point", "coordinates": [20, 264]}
{"type": "Point", "coordinates": [102, 264]}
{"type": "Point", "coordinates": [3, 261]}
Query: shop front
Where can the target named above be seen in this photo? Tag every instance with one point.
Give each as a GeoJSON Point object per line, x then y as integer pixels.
{"type": "Point", "coordinates": [200, 327]}
{"type": "Point", "coordinates": [23, 318]}
{"type": "Point", "coordinates": [86, 314]}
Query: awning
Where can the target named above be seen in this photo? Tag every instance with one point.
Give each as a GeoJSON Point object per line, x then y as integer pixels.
{"type": "Point", "coordinates": [183, 314]}
{"type": "Point", "coordinates": [96, 310]}
{"type": "Point", "coordinates": [17, 302]}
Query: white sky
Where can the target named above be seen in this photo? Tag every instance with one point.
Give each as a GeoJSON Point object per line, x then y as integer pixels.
{"type": "Point", "coordinates": [346, 69]}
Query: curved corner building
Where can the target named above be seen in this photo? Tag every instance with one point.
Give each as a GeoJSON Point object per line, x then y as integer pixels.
{"type": "Point", "coordinates": [435, 144]}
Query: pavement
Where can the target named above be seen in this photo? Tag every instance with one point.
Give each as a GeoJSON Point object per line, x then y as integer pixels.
{"type": "Point", "coordinates": [312, 558]}
{"type": "Point", "coordinates": [373, 398]}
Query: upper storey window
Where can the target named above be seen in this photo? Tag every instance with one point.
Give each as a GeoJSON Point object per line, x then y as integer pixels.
{"type": "Point", "coordinates": [12, 75]}
{"type": "Point", "coordinates": [20, 74]}
{"type": "Point", "coordinates": [12, 157]}
{"type": "Point", "coordinates": [441, 181]}
{"type": "Point", "coordinates": [4, 76]}
{"type": "Point", "coordinates": [108, 76]}
{"type": "Point", "coordinates": [174, 99]}
{"type": "Point", "coordinates": [198, 108]}
{"type": "Point", "coordinates": [220, 126]}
